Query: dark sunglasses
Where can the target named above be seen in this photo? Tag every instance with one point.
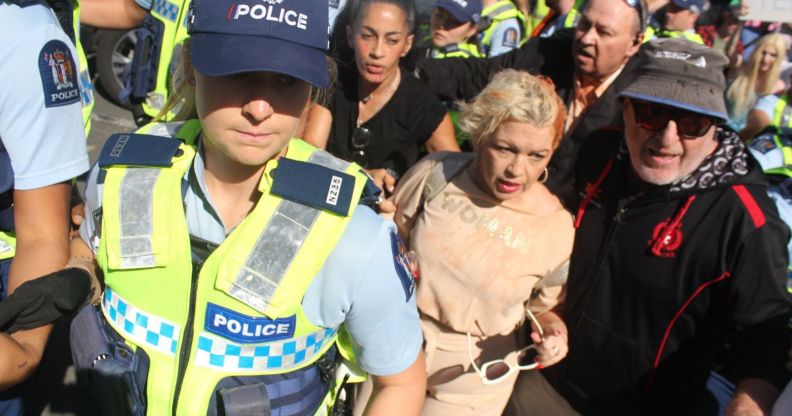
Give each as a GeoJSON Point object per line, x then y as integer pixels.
{"type": "Point", "coordinates": [642, 16]}
{"type": "Point", "coordinates": [655, 117]}
{"type": "Point", "coordinates": [361, 138]}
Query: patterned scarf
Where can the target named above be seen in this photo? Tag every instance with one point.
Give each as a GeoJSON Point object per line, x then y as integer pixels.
{"type": "Point", "coordinates": [727, 163]}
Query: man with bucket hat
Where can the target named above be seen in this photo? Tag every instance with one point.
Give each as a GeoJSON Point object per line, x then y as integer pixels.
{"type": "Point", "coordinates": [678, 253]}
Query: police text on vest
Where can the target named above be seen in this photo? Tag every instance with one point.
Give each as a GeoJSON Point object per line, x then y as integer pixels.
{"type": "Point", "coordinates": [247, 329]}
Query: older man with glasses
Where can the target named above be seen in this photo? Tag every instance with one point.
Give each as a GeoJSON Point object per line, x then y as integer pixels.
{"type": "Point", "coordinates": [679, 257]}
{"type": "Point", "coordinates": [588, 64]}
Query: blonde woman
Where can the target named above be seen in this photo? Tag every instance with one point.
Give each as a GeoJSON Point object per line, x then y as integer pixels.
{"type": "Point", "coordinates": [492, 245]}
{"type": "Point", "coordinates": [757, 77]}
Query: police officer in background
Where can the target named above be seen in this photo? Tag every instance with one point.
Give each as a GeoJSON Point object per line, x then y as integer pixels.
{"type": "Point", "coordinates": [680, 20]}
{"type": "Point", "coordinates": [773, 150]}
{"type": "Point", "coordinates": [42, 147]}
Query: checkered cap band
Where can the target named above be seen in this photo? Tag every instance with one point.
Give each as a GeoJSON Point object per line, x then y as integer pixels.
{"type": "Point", "coordinates": [219, 353]}
{"type": "Point", "coordinates": [139, 326]}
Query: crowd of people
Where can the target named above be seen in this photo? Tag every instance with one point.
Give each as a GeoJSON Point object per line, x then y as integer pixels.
{"type": "Point", "coordinates": [300, 231]}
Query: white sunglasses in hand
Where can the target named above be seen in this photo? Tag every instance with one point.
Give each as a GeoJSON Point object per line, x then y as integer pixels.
{"type": "Point", "coordinates": [493, 372]}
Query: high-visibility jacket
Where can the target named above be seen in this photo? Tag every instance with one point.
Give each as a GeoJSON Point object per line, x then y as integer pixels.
{"type": "Point", "coordinates": [691, 36]}
{"type": "Point", "coordinates": [782, 113]}
{"type": "Point", "coordinates": [496, 13]}
{"type": "Point", "coordinates": [457, 50]}
{"type": "Point", "coordinates": [239, 312]}
{"type": "Point", "coordinates": [160, 43]}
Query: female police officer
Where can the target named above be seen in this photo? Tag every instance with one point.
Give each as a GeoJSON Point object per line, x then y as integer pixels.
{"type": "Point", "coordinates": [233, 256]}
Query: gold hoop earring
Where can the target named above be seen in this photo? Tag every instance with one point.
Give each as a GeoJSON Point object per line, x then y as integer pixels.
{"type": "Point", "coordinates": [543, 177]}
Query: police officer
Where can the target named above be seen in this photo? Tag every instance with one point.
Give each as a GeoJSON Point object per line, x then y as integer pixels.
{"type": "Point", "coordinates": [563, 14]}
{"type": "Point", "coordinates": [503, 27]}
{"type": "Point", "coordinates": [680, 20]}
{"type": "Point", "coordinates": [773, 150]}
{"type": "Point", "coordinates": [452, 27]}
{"type": "Point", "coordinates": [42, 147]}
{"type": "Point", "coordinates": [239, 266]}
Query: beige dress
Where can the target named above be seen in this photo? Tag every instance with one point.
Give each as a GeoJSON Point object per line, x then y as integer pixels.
{"type": "Point", "coordinates": [479, 260]}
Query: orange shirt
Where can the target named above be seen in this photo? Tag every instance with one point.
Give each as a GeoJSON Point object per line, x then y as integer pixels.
{"type": "Point", "coordinates": [585, 96]}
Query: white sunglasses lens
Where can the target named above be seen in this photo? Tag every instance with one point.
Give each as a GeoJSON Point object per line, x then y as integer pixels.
{"type": "Point", "coordinates": [527, 357]}
{"type": "Point", "coordinates": [496, 370]}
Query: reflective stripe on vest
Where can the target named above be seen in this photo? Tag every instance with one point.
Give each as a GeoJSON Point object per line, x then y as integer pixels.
{"type": "Point", "coordinates": [782, 113]}
{"type": "Point", "coordinates": [256, 282]}
{"type": "Point", "coordinates": [86, 85]}
{"type": "Point", "coordinates": [162, 304]}
{"type": "Point", "coordinates": [691, 36]}
{"type": "Point", "coordinates": [459, 50]}
{"type": "Point", "coordinates": [786, 169]}
{"type": "Point", "coordinates": [498, 12]}
{"type": "Point", "coordinates": [7, 245]}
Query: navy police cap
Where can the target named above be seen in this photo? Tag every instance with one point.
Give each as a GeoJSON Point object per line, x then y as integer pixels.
{"type": "Point", "coordinates": [284, 36]}
{"type": "Point", "coordinates": [696, 6]}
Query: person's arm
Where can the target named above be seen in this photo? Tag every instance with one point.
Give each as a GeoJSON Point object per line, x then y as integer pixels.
{"type": "Point", "coordinates": [505, 37]}
{"type": "Point", "coordinates": [460, 78]}
{"type": "Point", "coordinates": [755, 122]}
{"type": "Point", "coordinates": [112, 14]}
{"type": "Point", "coordinates": [44, 160]}
{"type": "Point", "coordinates": [41, 221]}
{"type": "Point", "coordinates": [759, 309]}
{"type": "Point", "coordinates": [752, 397]}
{"type": "Point", "coordinates": [443, 138]}
{"type": "Point", "coordinates": [399, 394]}
{"type": "Point", "coordinates": [317, 126]}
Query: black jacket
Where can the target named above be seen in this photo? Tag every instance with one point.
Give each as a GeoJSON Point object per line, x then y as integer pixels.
{"type": "Point", "coordinates": [661, 280]}
{"type": "Point", "coordinates": [459, 78]}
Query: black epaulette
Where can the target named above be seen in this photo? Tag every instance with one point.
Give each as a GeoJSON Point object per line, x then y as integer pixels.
{"type": "Point", "coordinates": [313, 185]}
{"type": "Point", "coordinates": [139, 150]}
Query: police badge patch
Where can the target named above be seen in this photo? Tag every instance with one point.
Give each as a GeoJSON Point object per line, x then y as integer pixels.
{"type": "Point", "coordinates": [58, 74]}
{"type": "Point", "coordinates": [403, 265]}
{"type": "Point", "coordinates": [763, 144]}
{"type": "Point", "coordinates": [510, 38]}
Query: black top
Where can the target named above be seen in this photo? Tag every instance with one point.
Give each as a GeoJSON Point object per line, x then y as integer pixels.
{"type": "Point", "coordinates": [397, 131]}
{"type": "Point", "coordinates": [660, 280]}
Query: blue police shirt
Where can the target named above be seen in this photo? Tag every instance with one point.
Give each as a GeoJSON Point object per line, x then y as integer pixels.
{"type": "Point", "coordinates": [770, 156]}
{"type": "Point", "coordinates": [359, 285]}
{"type": "Point", "coordinates": [767, 105]}
{"type": "Point", "coordinates": [506, 36]}
{"type": "Point", "coordinates": [335, 8]}
{"type": "Point", "coordinates": [41, 125]}
{"type": "Point", "coordinates": [144, 4]}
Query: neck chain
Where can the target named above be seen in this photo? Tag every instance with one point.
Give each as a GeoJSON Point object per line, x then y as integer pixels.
{"type": "Point", "coordinates": [385, 97]}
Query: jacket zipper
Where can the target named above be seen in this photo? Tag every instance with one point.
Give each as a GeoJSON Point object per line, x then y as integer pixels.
{"type": "Point", "coordinates": [184, 351]}
{"type": "Point", "coordinates": [614, 223]}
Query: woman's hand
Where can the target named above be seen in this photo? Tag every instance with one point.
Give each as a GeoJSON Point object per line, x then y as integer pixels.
{"type": "Point", "coordinates": [383, 179]}
{"type": "Point", "coordinates": [553, 347]}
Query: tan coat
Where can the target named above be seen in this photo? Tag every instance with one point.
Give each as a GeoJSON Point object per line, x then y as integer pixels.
{"type": "Point", "coordinates": [479, 260]}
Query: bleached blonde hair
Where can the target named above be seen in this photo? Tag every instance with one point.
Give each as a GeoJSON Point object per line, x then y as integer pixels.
{"type": "Point", "coordinates": [747, 83]}
{"type": "Point", "coordinates": [513, 95]}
